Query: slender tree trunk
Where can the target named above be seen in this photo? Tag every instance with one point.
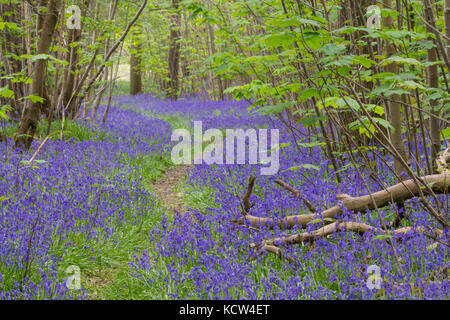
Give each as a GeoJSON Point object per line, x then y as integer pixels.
{"type": "Point", "coordinates": [98, 99]}
{"type": "Point", "coordinates": [184, 61]}
{"type": "Point", "coordinates": [213, 51]}
{"type": "Point", "coordinates": [433, 82]}
{"type": "Point", "coordinates": [13, 43]}
{"type": "Point", "coordinates": [447, 31]}
{"type": "Point", "coordinates": [29, 122]}
{"type": "Point", "coordinates": [92, 38]}
{"type": "Point", "coordinates": [447, 24]}
{"type": "Point", "coordinates": [394, 108]}
{"type": "Point", "coordinates": [174, 51]}
{"type": "Point", "coordinates": [69, 75]}
{"type": "Point", "coordinates": [135, 64]}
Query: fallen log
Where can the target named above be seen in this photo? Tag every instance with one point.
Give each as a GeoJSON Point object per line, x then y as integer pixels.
{"type": "Point", "coordinates": [272, 245]}
{"type": "Point", "coordinates": [356, 227]}
{"type": "Point", "coordinates": [438, 183]}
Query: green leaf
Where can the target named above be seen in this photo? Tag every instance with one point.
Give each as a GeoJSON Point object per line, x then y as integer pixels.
{"type": "Point", "coordinates": [5, 92]}
{"type": "Point", "coordinates": [284, 38]}
{"type": "Point", "coordinates": [313, 39]}
{"type": "Point", "coordinates": [385, 12]}
{"type": "Point", "coordinates": [277, 108]}
{"type": "Point", "coordinates": [309, 121]}
{"type": "Point", "coordinates": [384, 123]}
{"type": "Point", "coordinates": [310, 144]}
{"type": "Point", "coordinates": [308, 94]}
{"type": "Point", "coordinates": [382, 237]}
{"type": "Point", "coordinates": [42, 56]}
{"type": "Point", "coordinates": [26, 80]}
{"type": "Point", "coordinates": [445, 134]}
{"type": "Point", "coordinates": [365, 62]}
{"type": "Point", "coordinates": [400, 60]}
{"type": "Point", "coordinates": [376, 109]}
{"type": "Point", "coordinates": [332, 49]}
{"type": "Point", "coordinates": [34, 98]}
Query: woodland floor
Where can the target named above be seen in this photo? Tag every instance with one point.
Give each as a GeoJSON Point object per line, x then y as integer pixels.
{"type": "Point", "coordinates": [165, 188]}
{"type": "Point", "coordinates": [154, 253]}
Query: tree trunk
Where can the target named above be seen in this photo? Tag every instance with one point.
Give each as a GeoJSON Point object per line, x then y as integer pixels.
{"type": "Point", "coordinates": [135, 64]}
{"type": "Point", "coordinates": [174, 51]}
{"type": "Point", "coordinates": [433, 82]}
{"type": "Point", "coordinates": [213, 51]}
{"type": "Point", "coordinates": [69, 75]}
{"type": "Point", "coordinates": [186, 53]}
{"type": "Point", "coordinates": [98, 99]}
{"type": "Point", "coordinates": [447, 24]}
{"type": "Point", "coordinates": [13, 43]}
{"type": "Point", "coordinates": [394, 108]}
{"type": "Point", "coordinates": [29, 122]}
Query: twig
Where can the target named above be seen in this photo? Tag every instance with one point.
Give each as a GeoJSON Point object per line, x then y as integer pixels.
{"type": "Point", "coordinates": [39, 149]}
{"type": "Point", "coordinates": [297, 194]}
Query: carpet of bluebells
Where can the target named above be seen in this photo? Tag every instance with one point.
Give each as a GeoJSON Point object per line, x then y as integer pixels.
{"type": "Point", "coordinates": [80, 196]}
{"type": "Point", "coordinates": [71, 201]}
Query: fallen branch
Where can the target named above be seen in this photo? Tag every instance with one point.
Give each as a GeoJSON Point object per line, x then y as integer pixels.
{"type": "Point", "coordinates": [246, 205]}
{"type": "Point", "coordinates": [296, 193]}
{"type": "Point", "coordinates": [272, 245]}
{"type": "Point", "coordinates": [438, 183]}
{"type": "Point", "coordinates": [356, 227]}
{"type": "Point", "coordinates": [38, 149]}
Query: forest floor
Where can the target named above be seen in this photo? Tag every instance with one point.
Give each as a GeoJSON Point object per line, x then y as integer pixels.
{"type": "Point", "coordinates": [135, 245]}
{"type": "Point", "coordinates": [166, 189]}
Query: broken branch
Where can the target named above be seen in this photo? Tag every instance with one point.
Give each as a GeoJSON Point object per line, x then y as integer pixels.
{"type": "Point", "coordinates": [438, 183]}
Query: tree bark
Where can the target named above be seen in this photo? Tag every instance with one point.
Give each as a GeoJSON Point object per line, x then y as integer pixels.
{"type": "Point", "coordinates": [73, 38]}
{"type": "Point", "coordinates": [394, 108]}
{"type": "Point", "coordinates": [447, 24]}
{"type": "Point", "coordinates": [29, 122]}
{"type": "Point", "coordinates": [98, 99]}
{"type": "Point", "coordinates": [433, 82]}
{"type": "Point", "coordinates": [13, 43]}
{"type": "Point", "coordinates": [213, 52]}
{"type": "Point", "coordinates": [174, 51]}
{"type": "Point", "coordinates": [135, 64]}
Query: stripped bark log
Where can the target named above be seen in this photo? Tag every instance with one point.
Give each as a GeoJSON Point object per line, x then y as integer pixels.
{"type": "Point", "coordinates": [272, 245]}
{"type": "Point", "coordinates": [438, 183]}
{"type": "Point", "coordinates": [356, 227]}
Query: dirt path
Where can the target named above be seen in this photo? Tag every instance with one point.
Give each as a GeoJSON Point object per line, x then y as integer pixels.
{"type": "Point", "coordinates": [164, 188]}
